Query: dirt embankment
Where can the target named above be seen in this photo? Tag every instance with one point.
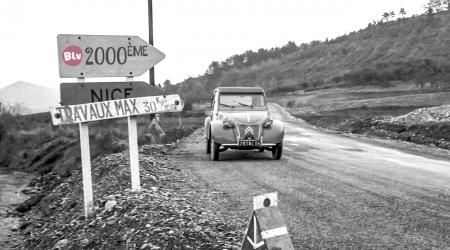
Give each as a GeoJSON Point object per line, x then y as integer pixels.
{"type": "Point", "coordinates": [171, 211]}
{"type": "Point", "coordinates": [31, 144]}
{"type": "Point", "coordinates": [428, 126]}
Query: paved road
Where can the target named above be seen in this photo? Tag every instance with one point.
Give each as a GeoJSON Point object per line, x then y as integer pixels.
{"type": "Point", "coordinates": [336, 191]}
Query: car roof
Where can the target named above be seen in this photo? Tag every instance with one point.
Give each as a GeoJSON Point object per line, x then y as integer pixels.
{"type": "Point", "coordinates": [255, 90]}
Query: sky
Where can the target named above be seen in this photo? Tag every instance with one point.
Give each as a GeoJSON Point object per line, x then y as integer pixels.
{"type": "Point", "coordinates": [191, 33]}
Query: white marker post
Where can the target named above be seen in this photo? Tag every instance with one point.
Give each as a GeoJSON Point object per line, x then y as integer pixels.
{"type": "Point", "coordinates": [86, 166]}
{"type": "Point", "coordinates": [134, 154]}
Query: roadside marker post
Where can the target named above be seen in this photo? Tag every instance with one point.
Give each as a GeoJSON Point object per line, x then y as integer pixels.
{"type": "Point", "coordinates": [133, 148]}
{"type": "Point", "coordinates": [81, 56]}
{"type": "Point", "coordinates": [86, 167]}
{"type": "Point", "coordinates": [266, 230]}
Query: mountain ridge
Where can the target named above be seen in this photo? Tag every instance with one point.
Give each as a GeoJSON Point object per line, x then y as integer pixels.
{"type": "Point", "coordinates": [413, 49]}
{"type": "Point", "coordinates": [27, 98]}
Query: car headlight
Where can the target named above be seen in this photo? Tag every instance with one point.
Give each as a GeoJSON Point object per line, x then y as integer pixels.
{"type": "Point", "coordinates": [228, 123]}
{"type": "Point", "coordinates": [267, 123]}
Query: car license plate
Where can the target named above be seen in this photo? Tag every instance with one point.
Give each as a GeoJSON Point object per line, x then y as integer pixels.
{"type": "Point", "coordinates": [249, 143]}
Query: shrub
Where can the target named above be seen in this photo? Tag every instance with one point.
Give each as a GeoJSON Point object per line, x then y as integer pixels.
{"type": "Point", "coordinates": [290, 104]}
{"type": "Point", "coordinates": [187, 106]}
{"type": "Point", "coordinates": [2, 131]}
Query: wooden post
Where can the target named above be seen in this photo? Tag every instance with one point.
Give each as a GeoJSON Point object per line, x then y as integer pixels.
{"type": "Point", "coordinates": [134, 154]}
{"type": "Point", "coordinates": [86, 167]}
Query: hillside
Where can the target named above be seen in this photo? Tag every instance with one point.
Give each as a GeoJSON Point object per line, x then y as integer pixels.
{"type": "Point", "coordinates": [409, 49]}
{"type": "Point", "coordinates": [28, 97]}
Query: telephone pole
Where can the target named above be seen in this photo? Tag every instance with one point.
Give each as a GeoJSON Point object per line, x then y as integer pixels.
{"type": "Point", "coordinates": [150, 38]}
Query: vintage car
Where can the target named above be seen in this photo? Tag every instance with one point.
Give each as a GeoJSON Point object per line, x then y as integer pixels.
{"type": "Point", "coordinates": [239, 119]}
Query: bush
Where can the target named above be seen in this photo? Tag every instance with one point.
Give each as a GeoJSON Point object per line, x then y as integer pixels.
{"type": "Point", "coordinates": [187, 106]}
{"type": "Point", "coordinates": [2, 131]}
{"type": "Point", "coordinates": [290, 104]}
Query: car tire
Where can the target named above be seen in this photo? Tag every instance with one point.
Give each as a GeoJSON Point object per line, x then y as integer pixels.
{"type": "Point", "coordinates": [261, 150]}
{"type": "Point", "coordinates": [208, 144]}
{"type": "Point", "coordinates": [277, 151]}
{"type": "Point", "coordinates": [214, 150]}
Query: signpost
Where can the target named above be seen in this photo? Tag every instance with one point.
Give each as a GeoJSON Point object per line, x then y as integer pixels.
{"type": "Point", "coordinates": [105, 56]}
{"type": "Point", "coordinates": [81, 56]}
{"type": "Point", "coordinates": [76, 93]}
{"type": "Point", "coordinates": [96, 111]}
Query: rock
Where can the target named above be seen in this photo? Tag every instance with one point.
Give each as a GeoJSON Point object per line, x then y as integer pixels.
{"type": "Point", "coordinates": [424, 115]}
{"type": "Point", "coordinates": [24, 225]}
{"type": "Point", "coordinates": [29, 203]}
{"type": "Point", "coordinates": [150, 246]}
{"type": "Point", "coordinates": [109, 205]}
{"type": "Point", "coordinates": [153, 178]}
{"type": "Point", "coordinates": [61, 244]}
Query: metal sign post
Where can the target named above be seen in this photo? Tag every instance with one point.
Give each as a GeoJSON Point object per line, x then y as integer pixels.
{"type": "Point", "coordinates": [150, 38]}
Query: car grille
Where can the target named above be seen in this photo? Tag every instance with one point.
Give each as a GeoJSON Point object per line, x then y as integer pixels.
{"type": "Point", "coordinates": [248, 132]}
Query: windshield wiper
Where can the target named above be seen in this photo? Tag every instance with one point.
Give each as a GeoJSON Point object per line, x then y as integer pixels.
{"type": "Point", "coordinates": [247, 105]}
{"type": "Point", "coordinates": [226, 105]}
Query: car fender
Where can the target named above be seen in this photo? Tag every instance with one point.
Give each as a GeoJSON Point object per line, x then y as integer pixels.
{"type": "Point", "coordinates": [207, 127]}
{"type": "Point", "coordinates": [220, 134]}
{"type": "Point", "coordinates": [216, 129]}
{"type": "Point", "coordinates": [274, 133]}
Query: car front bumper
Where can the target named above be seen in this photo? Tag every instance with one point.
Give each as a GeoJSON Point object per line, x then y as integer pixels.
{"type": "Point", "coordinates": [232, 137]}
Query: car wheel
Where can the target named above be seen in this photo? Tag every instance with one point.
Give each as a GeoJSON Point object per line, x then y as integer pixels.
{"type": "Point", "coordinates": [214, 150]}
{"type": "Point", "coordinates": [208, 144]}
{"type": "Point", "coordinates": [277, 151]}
{"type": "Point", "coordinates": [261, 150]}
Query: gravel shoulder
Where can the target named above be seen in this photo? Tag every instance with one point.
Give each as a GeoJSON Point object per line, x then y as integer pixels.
{"type": "Point", "coordinates": [11, 186]}
{"type": "Point", "coordinates": [171, 212]}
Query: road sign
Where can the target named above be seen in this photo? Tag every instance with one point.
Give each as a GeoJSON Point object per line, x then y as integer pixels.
{"type": "Point", "coordinates": [266, 229]}
{"type": "Point", "coordinates": [115, 109]}
{"type": "Point", "coordinates": [77, 93]}
{"type": "Point", "coordinates": [105, 56]}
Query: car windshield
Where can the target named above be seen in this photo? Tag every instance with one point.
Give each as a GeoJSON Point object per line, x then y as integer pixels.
{"type": "Point", "coordinates": [246, 101]}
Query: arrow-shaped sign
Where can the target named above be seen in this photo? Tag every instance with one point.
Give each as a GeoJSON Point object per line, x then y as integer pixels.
{"type": "Point", "coordinates": [105, 56]}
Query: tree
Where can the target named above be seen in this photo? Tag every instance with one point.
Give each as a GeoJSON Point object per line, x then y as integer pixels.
{"type": "Point", "coordinates": [213, 67]}
{"type": "Point", "coordinates": [385, 17]}
{"type": "Point", "coordinates": [166, 84]}
{"type": "Point", "coordinates": [437, 6]}
{"type": "Point", "coordinates": [402, 12]}
{"type": "Point", "coordinates": [392, 14]}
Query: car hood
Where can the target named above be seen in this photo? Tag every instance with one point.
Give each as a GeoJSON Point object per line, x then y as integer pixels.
{"type": "Point", "coordinates": [253, 117]}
